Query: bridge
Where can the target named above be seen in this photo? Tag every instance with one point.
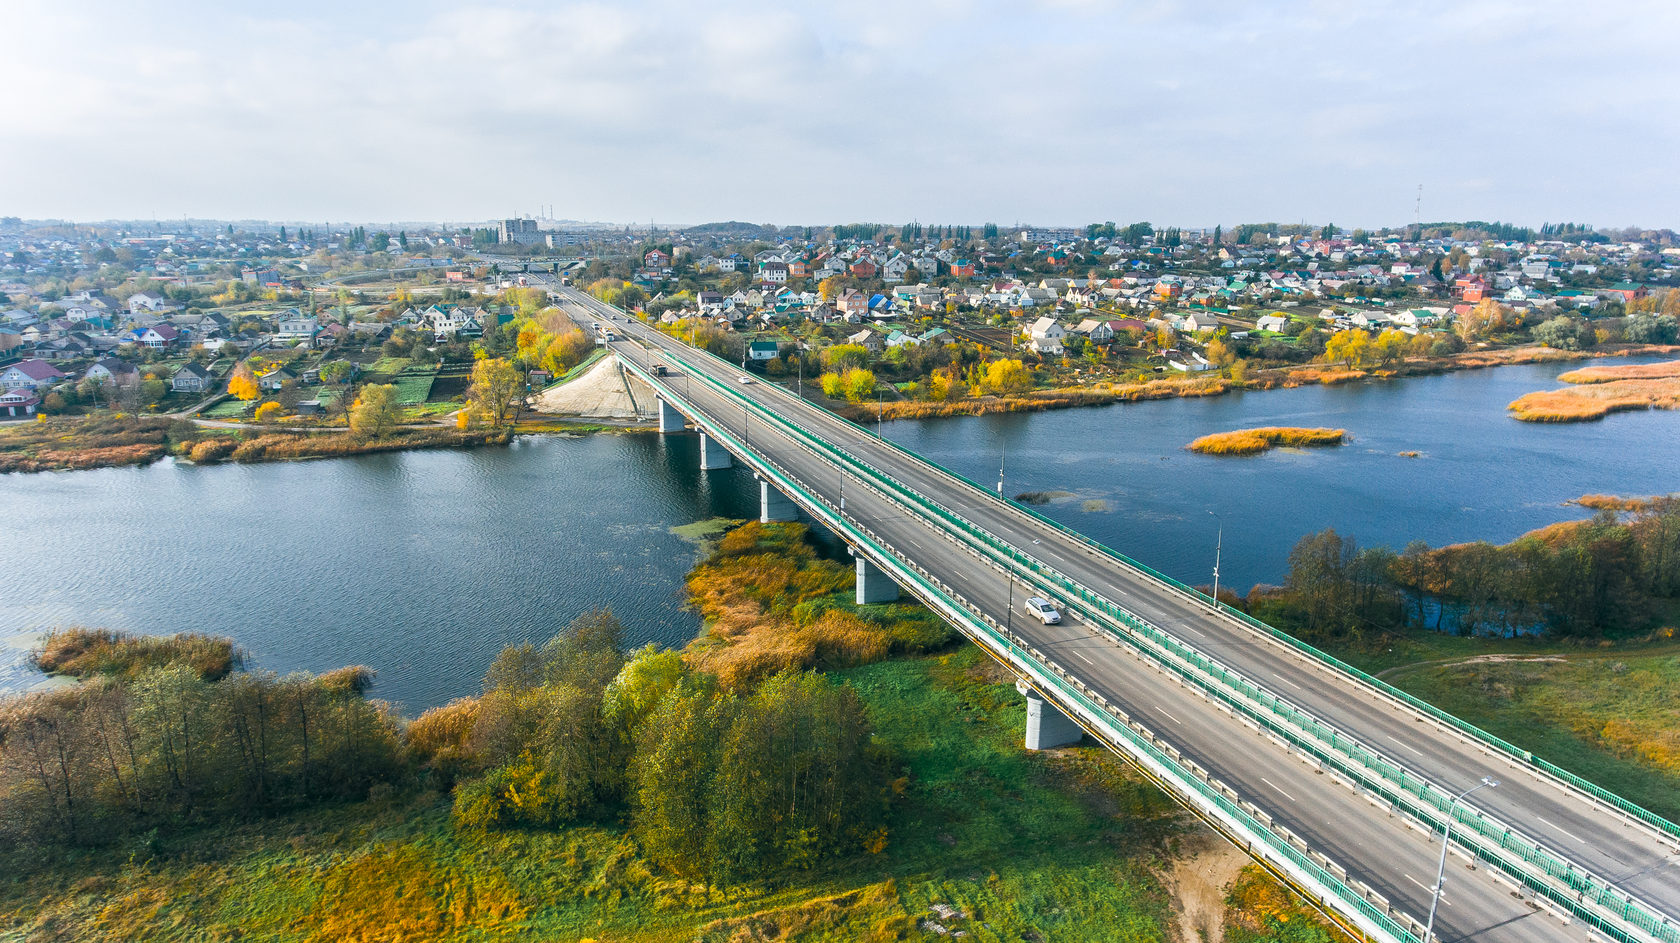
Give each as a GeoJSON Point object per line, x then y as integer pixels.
{"type": "Point", "coordinates": [1342, 786]}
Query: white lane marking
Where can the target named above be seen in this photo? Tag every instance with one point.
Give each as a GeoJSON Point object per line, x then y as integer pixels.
{"type": "Point", "coordinates": [1428, 890]}
{"type": "Point", "coordinates": [1172, 718]}
{"type": "Point", "coordinates": [1287, 681]}
{"type": "Point", "coordinates": [1275, 786]}
{"type": "Point", "coordinates": [1561, 829]}
{"type": "Point", "coordinates": [1407, 746]}
{"type": "Point", "coordinates": [1082, 658]}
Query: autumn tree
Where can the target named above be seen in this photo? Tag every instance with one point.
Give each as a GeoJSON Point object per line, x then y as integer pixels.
{"type": "Point", "coordinates": [243, 384]}
{"type": "Point", "coordinates": [376, 412]}
{"type": "Point", "coordinates": [1351, 346]}
{"type": "Point", "coordinates": [1007, 376]}
{"type": "Point", "coordinates": [496, 390]}
{"type": "Point", "coordinates": [268, 411]}
{"type": "Point", "coordinates": [858, 384]}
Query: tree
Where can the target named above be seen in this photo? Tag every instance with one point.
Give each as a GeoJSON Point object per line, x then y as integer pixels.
{"type": "Point", "coordinates": [376, 412]}
{"type": "Point", "coordinates": [858, 384]}
{"type": "Point", "coordinates": [496, 390]}
{"type": "Point", "coordinates": [1220, 353]}
{"type": "Point", "coordinates": [1351, 346]}
{"type": "Point", "coordinates": [267, 411]}
{"type": "Point", "coordinates": [335, 371]}
{"type": "Point", "coordinates": [1564, 333]}
{"type": "Point", "coordinates": [1007, 376]}
{"type": "Point", "coordinates": [1653, 328]}
{"type": "Point", "coordinates": [843, 357]}
{"type": "Point", "coordinates": [243, 384]}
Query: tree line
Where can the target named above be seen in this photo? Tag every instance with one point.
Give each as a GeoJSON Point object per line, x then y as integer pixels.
{"type": "Point", "coordinates": [718, 784]}
{"type": "Point", "coordinates": [1581, 579]}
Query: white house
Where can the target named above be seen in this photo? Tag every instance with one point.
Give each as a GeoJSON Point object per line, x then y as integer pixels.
{"type": "Point", "coordinates": [30, 375]}
{"type": "Point", "coordinates": [1272, 322]}
{"type": "Point", "coordinates": [1047, 336]}
{"type": "Point", "coordinates": [295, 324]}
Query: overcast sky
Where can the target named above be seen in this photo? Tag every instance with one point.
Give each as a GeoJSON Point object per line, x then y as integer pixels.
{"type": "Point", "coordinates": [1035, 111]}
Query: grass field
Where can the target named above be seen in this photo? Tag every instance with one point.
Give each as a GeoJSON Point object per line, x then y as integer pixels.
{"type": "Point", "coordinates": [1028, 846]}
{"type": "Point", "coordinates": [414, 384]}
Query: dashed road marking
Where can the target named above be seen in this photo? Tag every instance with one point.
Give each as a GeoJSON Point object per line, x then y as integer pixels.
{"type": "Point", "coordinates": [1561, 829]}
{"type": "Point", "coordinates": [1287, 681]}
{"type": "Point", "coordinates": [1408, 746]}
{"type": "Point", "coordinates": [1278, 788]}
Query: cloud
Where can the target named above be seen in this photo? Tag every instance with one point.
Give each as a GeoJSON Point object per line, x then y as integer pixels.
{"type": "Point", "coordinates": [1056, 111]}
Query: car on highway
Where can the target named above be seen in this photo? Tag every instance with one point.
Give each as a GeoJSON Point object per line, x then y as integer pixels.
{"type": "Point", "coordinates": [1039, 608]}
{"type": "Point", "coordinates": [743, 380]}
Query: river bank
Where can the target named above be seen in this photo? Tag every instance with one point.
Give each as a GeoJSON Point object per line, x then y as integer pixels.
{"type": "Point", "coordinates": [1205, 385]}
{"type": "Point", "coordinates": [91, 442]}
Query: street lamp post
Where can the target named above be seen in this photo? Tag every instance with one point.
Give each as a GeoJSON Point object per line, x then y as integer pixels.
{"type": "Point", "coordinates": [877, 412]}
{"type": "Point", "coordinates": [1218, 550]}
{"type": "Point", "coordinates": [1446, 839]}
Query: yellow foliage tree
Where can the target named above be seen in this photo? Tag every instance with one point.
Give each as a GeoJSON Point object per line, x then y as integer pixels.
{"type": "Point", "coordinates": [496, 388]}
{"type": "Point", "coordinates": [243, 384]}
{"type": "Point", "coordinates": [1007, 376]}
{"type": "Point", "coordinates": [1352, 346]}
{"type": "Point", "coordinates": [267, 411]}
{"type": "Point", "coordinates": [376, 411]}
{"type": "Point", "coordinates": [859, 383]}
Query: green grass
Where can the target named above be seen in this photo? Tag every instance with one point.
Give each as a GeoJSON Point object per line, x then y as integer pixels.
{"type": "Point", "coordinates": [1060, 846]}
{"type": "Point", "coordinates": [228, 409]}
{"type": "Point", "coordinates": [1609, 716]}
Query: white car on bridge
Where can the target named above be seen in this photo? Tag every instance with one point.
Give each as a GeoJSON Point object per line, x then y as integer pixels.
{"type": "Point", "coordinates": [1039, 608]}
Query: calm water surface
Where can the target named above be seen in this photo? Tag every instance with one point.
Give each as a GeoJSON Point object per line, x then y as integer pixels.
{"type": "Point", "coordinates": [423, 565]}
{"type": "Point", "coordinates": [1480, 474]}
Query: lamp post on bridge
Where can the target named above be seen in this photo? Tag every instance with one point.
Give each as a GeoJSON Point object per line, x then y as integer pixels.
{"type": "Point", "coordinates": [1218, 550]}
{"type": "Point", "coordinates": [1446, 839]}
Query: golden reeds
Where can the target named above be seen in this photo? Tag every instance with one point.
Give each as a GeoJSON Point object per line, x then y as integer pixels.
{"type": "Point", "coordinates": [1252, 441]}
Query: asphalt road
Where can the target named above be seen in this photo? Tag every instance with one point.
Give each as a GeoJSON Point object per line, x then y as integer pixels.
{"type": "Point", "coordinates": [1395, 859]}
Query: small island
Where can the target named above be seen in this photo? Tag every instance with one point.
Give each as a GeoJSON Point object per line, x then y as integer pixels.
{"type": "Point", "coordinates": [1255, 441]}
{"type": "Point", "coordinates": [1600, 391]}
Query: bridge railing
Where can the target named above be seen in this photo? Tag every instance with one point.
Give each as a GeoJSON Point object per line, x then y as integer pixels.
{"type": "Point", "coordinates": [1591, 790]}
{"type": "Point", "coordinates": [1193, 784]}
{"type": "Point", "coordinates": [1345, 753]}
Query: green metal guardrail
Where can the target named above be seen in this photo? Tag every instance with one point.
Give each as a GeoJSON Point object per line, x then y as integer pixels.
{"type": "Point", "coordinates": [1347, 755]}
{"type": "Point", "coordinates": [1113, 722]}
{"type": "Point", "coordinates": [1597, 792]}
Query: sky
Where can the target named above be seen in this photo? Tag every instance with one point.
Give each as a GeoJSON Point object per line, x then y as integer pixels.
{"type": "Point", "coordinates": [1041, 112]}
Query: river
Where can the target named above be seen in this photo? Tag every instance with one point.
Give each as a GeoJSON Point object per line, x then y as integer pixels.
{"type": "Point", "coordinates": [422, 565]}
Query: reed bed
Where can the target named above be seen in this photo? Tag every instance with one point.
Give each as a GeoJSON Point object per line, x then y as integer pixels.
{"type": "Point", "coordinates": [1628, 371]}
{"type": "Point", "coordinates": [1595, 400]}
{"type": "Point", "coordinates": [1611, 502]}
{"type": "Point", "coordinates": [64, 444]}
{"type": "Point", "coordinates": [1255, 441]}
{"type": "Point", "coordinates": [85, 653]}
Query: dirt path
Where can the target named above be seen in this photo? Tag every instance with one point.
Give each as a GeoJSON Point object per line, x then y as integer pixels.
{"type": "Point", "coordinates": [1200, 875]}
{"type": "Point", "coordinates": [1471, 660]}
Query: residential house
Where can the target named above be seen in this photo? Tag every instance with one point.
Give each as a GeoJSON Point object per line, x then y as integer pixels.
{"type": "Point", "coordinates": [654, 258]}
{"type": "Point", "coordinates": [192, 378]}
{"type": "Point", "coordinates": [868, 340]}
{"type": "Point", "coordinates": [1047, 336]}
{"type": "Point", "coordinates": [895, 268]}
{"type": "Point", "coordinates": [864, 267]}
{"type": "Point", "coordinates": [1271, 322]}
{"type": "Point", "coordinates": [30, 374]}
{"type": "Point", "coordinates": [774, 273]}
{"type": "Point", "coordinates": [18, 403]}
{"type": "Point", "coordinates": [114, 371]}
{"type": "Point", "coordinates": [762, 350]}
{"type": "Point", "coordinates": [1098, 332]}
{"type": "Point", "coordinates": [157, 337]}
{"type": "Point", "coordinates": [295, 325]}
{"type": "Point", "coordinates": [142, 301]}
{"type": "Point", "coordinates": [273, 379]}
{"type": "Point", "coordinates": [853, 302]}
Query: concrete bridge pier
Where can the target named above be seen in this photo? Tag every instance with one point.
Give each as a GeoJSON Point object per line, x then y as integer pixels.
{"type": "Point", "coordinates": [773, 505]}
{"type": "Point", "coordinates": [713, 455]}
{"type": "Point", "coordinates": [873, 585]}
{"type": "Point", "coordinates": [669, 419]}
{"type": "Point", "coordinates": [1046, 726]}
